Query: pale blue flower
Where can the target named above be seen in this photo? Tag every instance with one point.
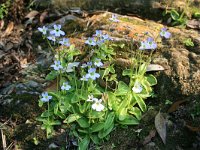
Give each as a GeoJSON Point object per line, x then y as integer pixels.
{"type": "Point", "coordinates": [43, 30]}
{"type": "Point", "coordinates": [148, 44]}
{"type": "Point", "coordinates": [65, 42]}
{"type": "Point", "coordinates": [114, 18]}
{"type": "Point", "coordinates": [91, 41]}
{"type": "Point", "coordinates": [57, 32]}
{"type": "Point", "coordinates": [137, 88]}
{"type": "Point", "coordinates": [57, 65]}
{"type": "Point", "coordinates": [98, 63]}
{"type": "Point", "coordinates": [65, 86]}
{"type": "Point", "coordinates": [84, 78]}
{"type": "Point", "coordinates": [45, 97]}
{"type": "Point", "coordinates": [98, 33]}
{"type": "Point", "coordinates": [165, 33]}
{"type": "Point", "coordinates": [89, 63]}
{"type": "Point", "coordinates": [92, 74]}
{"type": "Point", "coordinates": [51, 38]}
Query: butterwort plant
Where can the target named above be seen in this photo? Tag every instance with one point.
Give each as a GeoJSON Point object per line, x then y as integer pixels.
{"type": "Point", "coordinates": [85, 101]}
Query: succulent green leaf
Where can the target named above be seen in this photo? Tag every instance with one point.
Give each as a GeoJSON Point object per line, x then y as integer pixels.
{"type": "Point", "coordinates": [152, 80]}
{"type": "Point", "coordinates": [84, 143]}
{"type": "Point", "coordinates": [103, 133]}
{"type": "Point", "coordinates": [174, 14]}
{"type": "Point", "coordinates": [83, 122]}
{"type": "Point", "coordinates": [122, 89]}
{"type": "Point", "coordinates": [109, 120]}
{"type": "Point", "coordinates": [140, 102]}
{"type": "Point", "coordinates": [71, 118]}
{"type": "Point", "coordinates": [97, 127]}
{"type": "Point", "coordinates": [52, 75]}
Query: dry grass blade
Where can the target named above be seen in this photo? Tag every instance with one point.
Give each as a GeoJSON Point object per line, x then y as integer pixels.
{"type": "Point", "coordinates": [3, 140]}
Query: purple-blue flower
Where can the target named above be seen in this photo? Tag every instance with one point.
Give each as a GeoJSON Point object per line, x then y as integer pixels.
{"type": "Point", "coordinates": [57, 32]}
{"type": "Point", "coordinates": [91, 41]}
{"type": "Point", "coordinates": [98, 63]}
{"type": "Point", "coordinates": [65, 42]}
{"type": "Point", "coordinates": [98, 33]}
{"type": "Point", "coordinates": [114, 18]}
{"type": "Point", "coordinates": [148, 44]}
{"type": "Point", "coordinates": [45, 97]}
{"type": "Point", "coordinates": [165, 33]}
{"type": "Point", "coordinates": [65, 86]}
{"type": "Point", "coordinates": [43, 30]}
{"type": "Point", "coordinates": [92, 74]}
{"type": "Point", "coordinates": [57, 65]}
{"type": "Point", "coordinates": [51, 38]}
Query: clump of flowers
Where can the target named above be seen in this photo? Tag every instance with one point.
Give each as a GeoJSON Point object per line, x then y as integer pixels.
{"type": "Point", "coordinates": [85, 100]}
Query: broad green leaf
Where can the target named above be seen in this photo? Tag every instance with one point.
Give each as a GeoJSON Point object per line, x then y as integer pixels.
{"type": "Point", "coordinates": [83, 131]}
{"type": "Point", "coordinates": [122, 111]}
{"type": "Point", "coordinates": [130, 120]}
{"type": "Point", "coordinates": [140, 102]}
{"type": "Point", "coordinates": [127, 72]}
{"type": "Point", "coordinates": [122, 114]}
{"type": "Point", "coordinates": [83, 122]}
{"type": "Point", "coordinates": [142, 69]}
{"type": "Point", "coordinates": [146, 85]}
{"type": "Point", "coordinates": [52, 75]}
{"type": "Point", "coordinates": [103, 133]}
{"type": "Point", "coordinates": [55, 108]}
{"type": "Point", "coordinates": [84, 143]}
{"type": "Point", "coordinates": [97, 127]}
{"type": "Point", "coordinates": [122, 89]}
{"type": "Point", "coordinates": [75, 98]}
{"type": "Point", "coordinates": [61, 115]}
{"type": "Point", "coordinates": [94, 138]}
{"type": "Point", "coordinates": [46, 113]}
{"type": "Point", "coordinates": [109, 120]}
{"type": "Point", "coordinates": [113, 103]}
{"type": "Point", "coordinates": [174, 14]}
{"type": "Point", "coordinates": [40, 103]}
{"type": "Point", "coordinates": [55, 122]}
{"type": "Point", "coordinates": [152, 80]}
{"type": "Point", "coordinates": [71, 118]}
{"type": "Point", "coordinates": [96, 114]}
{"type": "Point", "coordinates": [135, 111]}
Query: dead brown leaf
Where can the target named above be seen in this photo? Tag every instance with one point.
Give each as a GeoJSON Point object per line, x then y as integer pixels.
{"type": "Point", "coordinates": [175, 106]}
{"type": "Point", "coordinates": [52, 86]}
{"type": "Point", "coordinates": [43, 16]}
{"type": "Point", "coordinates": [154, 67]}
{"type": "Point", "coordinates": [32, 14]}
{"type": "Point", "coordinates": [160, 124]}
{"type": "Point", "coordinates": [193, 129]}
{"type": "Point", "coordinates": [148, 138]}
{"type": "Point", "coordinates": [9, 29]}
{"type": "Point", "coordinates": [1, 24]}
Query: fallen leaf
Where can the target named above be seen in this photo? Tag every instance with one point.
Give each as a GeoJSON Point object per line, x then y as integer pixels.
{"type": "Point", "coordinates": [194, 129]}
{"type": "Point", "coordinates": [1, 24]}
{"type": "Point", "coordinates": [32, 14]}
{"type": "Point", "coordinates": [160, 124]}
{"type": "Point", "coordinates": [52, 86]}
{"type": "Point", "coordinates": [193, 24]}
{"type": "Point", "coordinates": [43, 16]}
{"type": "Point", "coordinates": [148, 138]}
{"type": "Point", "coordinates": [154, 67]}
{"type": "Point", "coordinates": [175, 106]}
{"type": "Point", "coordinates": [8, 29]}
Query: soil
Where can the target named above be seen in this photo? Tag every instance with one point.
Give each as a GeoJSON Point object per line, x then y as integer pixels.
{"type": "Point", "coordinates": [24, 64]}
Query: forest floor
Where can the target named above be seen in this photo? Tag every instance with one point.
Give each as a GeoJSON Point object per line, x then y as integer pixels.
{"type": "Point", "coordinates": [25, 59]}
